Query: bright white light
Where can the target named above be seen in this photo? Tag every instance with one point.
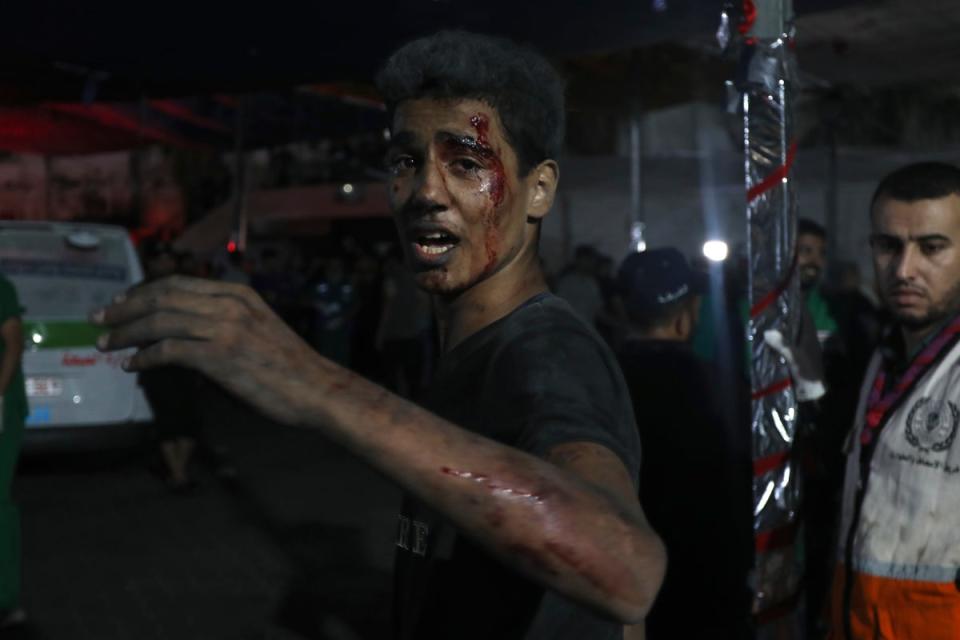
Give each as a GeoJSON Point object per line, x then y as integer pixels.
{"type": "Point", "coordinates": [347, 188]}
{"type": "Point", "coordinates": [638, 242]}
{"type": "Point", "coordinates": [77, 399]}
{"type": "Point", "coordinates": [715, 250]}
{"type": "Point", "coordinates": [37, 338]}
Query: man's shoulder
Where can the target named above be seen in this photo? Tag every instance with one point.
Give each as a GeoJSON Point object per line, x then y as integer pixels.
{"type": "Point", "coordinates": [657, 369]}
{"type": "Point", "coordinates": [548, 321]}
{"type": "Point", "coordinates": [539, 338]}
{"type": "Point", "coordinates": [657, 354]}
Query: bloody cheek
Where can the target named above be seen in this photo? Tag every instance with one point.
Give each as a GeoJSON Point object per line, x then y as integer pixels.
{"type": "Point", "coordinates": [494, 186]}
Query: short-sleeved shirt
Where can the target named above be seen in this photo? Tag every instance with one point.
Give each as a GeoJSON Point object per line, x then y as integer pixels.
{"type": "Point", "coordinates": [532, 380]}
{"type": "Point", "coordinates": [15, 398]}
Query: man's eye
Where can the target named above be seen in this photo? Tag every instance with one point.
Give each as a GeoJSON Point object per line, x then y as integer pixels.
{"type": "Point", "coordinates": [931, 248]}
{"type": "Point", "coordinates": [466, 164]}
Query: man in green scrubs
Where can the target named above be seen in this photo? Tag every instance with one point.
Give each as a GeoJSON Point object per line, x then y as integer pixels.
{"type": "Point", "coordinates": [13, 413]}
{"type": "Point", "coordinates": [811, 263]}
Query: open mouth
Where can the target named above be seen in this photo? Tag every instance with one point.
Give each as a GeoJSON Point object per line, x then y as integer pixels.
{"type": "Point", "coordinates": [434, 244]}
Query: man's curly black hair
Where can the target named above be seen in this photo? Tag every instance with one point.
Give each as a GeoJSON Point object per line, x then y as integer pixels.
{"type": "Point", "coordinates": [519, 83]}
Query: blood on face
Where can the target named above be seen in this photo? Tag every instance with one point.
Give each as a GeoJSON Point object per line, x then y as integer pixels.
{"type": "Point", "coordinates": [495, 187]}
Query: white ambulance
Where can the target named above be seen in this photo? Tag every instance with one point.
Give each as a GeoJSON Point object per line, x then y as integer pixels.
{"type": "Point", "coordinates": [78, 397]}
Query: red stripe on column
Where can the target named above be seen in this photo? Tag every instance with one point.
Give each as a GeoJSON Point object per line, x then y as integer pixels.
{"type": "Point", "coordinates": [776, 387]}
{"type": "Point", "coordinates": [775, 178]}
{"type": "Point", "coordinates": [772, 296]}
{"type": "Point", "coordinates": [769, 463]}
{"type": "Point", "coordinates": [778, 538]}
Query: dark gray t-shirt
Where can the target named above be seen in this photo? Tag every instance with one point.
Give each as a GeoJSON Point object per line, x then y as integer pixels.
{"type": "Point", "coordinates": [537, 378]}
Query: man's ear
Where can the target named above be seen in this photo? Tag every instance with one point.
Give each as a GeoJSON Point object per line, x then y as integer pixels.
{"type": "Point", "coordinates": [682, 325]}
{"type": "Point", "coordinates": [542, 183]}
{"type": "Point", "coordinates": [686, 321]}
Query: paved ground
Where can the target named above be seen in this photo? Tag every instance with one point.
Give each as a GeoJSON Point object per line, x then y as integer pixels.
{"type": "Point", "coordinates": [299, 545]}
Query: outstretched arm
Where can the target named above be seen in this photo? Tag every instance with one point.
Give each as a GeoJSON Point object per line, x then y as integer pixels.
{"type": "Point", "coordinates": [570, 521]}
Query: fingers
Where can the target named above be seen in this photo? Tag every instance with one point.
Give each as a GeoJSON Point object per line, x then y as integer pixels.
{"type": "Point", "coordinates": [193, 296]}
{"type": "Point", "coordinates": [189, 353]}
{"type": "Point", "coordinates": [155, 327]}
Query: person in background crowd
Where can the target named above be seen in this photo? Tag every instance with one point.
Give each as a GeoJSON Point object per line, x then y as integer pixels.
{"type": "Point", "coordinates": [13, 414]}
{"type": "Point", "coordinates": [605, 276]}
{"type": "Point", "coordinates": [579, 286]}
{"type": "Point", "coordinates": [848, 279]}
{"type": "Point", "coordinates": [899, 548]}
{"type": "Point", "coordinates": [847, 331]}
{"type": "Point", "coordinates": [192, 266]}
{"type": "Point", "coordinates": [823, 424]}
{"type": "Point", "coordinates": [278, 285]}
{"type": "Point", "coordinates": [172, 394]}
{"type": "Point", "coordinates": [521, 518]}
{"type": "Point", "coordinates": [206, 396]}
{"type": "Point", "coordinates": [609, 319]}
{"type": "Point", "coordinates": [368, 285]}
{"type": "Point", "coordinates": [334, 303]}
{"type": "Point", "coordinates": [234, 267]}
{"type": "Point", "coordinates": [811, 263]}
{"type": "Point", "coordinates": [696, 472]}
{"type": "Point", "coordinates": [403, 335]}
{"type": "Point", "coordinates": [859, 321]}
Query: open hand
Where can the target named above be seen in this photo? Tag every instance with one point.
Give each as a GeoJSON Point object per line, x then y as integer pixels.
{"type": "Point", "coordinates": [223, 330]}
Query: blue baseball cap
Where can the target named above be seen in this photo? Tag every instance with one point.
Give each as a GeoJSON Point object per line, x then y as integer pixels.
{"type": "Point", "coordinates": [657, 277]}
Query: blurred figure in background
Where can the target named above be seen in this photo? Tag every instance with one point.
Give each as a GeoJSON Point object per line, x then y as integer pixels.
{"type": "Point", "coordinates": [855, 308]}
{"type": "Point", "coordinates": [233, 267]}
{"type": "Point", "coordinates": [333, 300]}
{"type": "Point", "coordinates": [811, 263]}
{"type": "Point", "coordinates": [172, 393]}
{"type": "Point", "coordinates": [368, 285]}
{"type": "Point", "coordinates": [192, 266]}
{"type": "Point", "coordinates": [277, 284]}
{"type": "Point", "coordinates": [403, 334]}
{"type": "Point", "coordinates": [13, 413]}
{"type": "Point", "coordinates": [847, 329]}
{"type": "Point", "coordinates": [609, 320]}
{"type": "Point", "coordinates": [693, 478]}
{"type": "Point", "coordinates": [579, 287]}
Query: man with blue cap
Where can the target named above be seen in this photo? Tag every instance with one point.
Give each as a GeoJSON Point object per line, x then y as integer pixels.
{"type": "Point", "coordinates": [691, 479]}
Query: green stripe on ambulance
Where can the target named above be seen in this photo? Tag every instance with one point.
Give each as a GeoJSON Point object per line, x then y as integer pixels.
{"type": "Point", "coordinates": [60, 334]}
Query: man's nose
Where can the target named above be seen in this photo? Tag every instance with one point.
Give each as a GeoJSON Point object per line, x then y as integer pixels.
{"type": "Point", "coordinates": [905, 267]}
{"type": "Point", "coordinates": [430, 185]}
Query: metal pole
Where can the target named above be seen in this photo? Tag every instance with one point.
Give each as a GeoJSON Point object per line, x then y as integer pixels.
{"type": "Point", "coordinates": [830, 192]}
{"type": "Point", "coordinates": [636, 218]}
{"type": "Point", "coordinates": [774, 300]}
{"type": "Point", "coordinates": [636, 168]}
{"type": "Point", "coordinates": [239, 232]}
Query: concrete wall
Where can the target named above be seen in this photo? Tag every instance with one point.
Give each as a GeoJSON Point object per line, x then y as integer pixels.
{"type": "Point", "coordinates": [692, 177]}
